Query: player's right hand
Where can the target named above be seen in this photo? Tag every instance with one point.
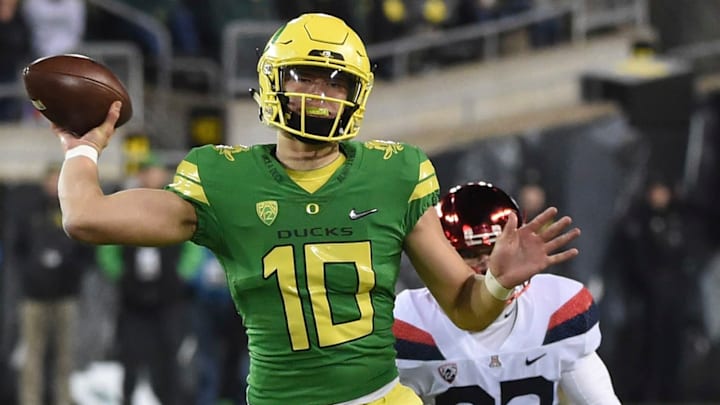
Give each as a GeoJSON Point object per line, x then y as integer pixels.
{"type": "Point", "coordinates": [98, 137]}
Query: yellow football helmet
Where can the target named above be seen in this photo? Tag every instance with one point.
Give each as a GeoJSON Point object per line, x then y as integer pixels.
{"type": "Point", "coordinates": [321, 43]}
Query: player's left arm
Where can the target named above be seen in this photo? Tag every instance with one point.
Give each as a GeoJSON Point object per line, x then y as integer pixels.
{"type": "Point", "coordinates": [589, 382]}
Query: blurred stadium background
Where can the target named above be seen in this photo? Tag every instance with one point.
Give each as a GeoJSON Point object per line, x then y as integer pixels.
{"type": "Point", "coordinates": [588, 98]}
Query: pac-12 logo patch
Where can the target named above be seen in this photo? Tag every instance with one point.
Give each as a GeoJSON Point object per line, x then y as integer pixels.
{"type": "Point", "coordinates": [448, 372]}
{"type": "Point", "coordinates": [267, 211]}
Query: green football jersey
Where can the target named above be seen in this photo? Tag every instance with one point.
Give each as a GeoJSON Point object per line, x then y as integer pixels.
{"type": "Point", "coordinates": [312, 274]}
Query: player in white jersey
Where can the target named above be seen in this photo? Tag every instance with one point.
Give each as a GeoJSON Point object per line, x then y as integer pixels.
{"type": "Point", "coordinates": [545, 340]}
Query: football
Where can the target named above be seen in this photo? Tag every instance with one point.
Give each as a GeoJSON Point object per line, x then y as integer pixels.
{"type": "Point", "coordinates": [75, 91]}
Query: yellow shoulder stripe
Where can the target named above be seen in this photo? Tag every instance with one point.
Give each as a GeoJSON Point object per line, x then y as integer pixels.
{"type": "Point", "coordinates": [426, 170]}
{"type": "Point", "coordinates": [428, 182]}
{"type": "Point", "coordinates": [425, 187]}
{"type": "Point", "coordinates": [189, 170]}
{"type": "Point", "coordinates": [187, 182]}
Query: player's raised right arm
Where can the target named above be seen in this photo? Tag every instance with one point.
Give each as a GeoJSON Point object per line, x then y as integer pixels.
{"type": "Point", "coordinates": [146, 217]}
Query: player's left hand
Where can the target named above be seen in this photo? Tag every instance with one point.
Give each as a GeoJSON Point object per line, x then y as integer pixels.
{"type": "Point", "coordinates": [520, 253]}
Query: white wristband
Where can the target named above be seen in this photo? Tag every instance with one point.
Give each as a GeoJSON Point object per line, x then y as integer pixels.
{"type": "Point", "coordinates": [496, 289]}
{"type": "Point", "coordinates": [82, 150]}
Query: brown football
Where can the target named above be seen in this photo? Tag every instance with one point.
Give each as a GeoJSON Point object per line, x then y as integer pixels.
{"type": "Point", "coordinates": [75, 92]}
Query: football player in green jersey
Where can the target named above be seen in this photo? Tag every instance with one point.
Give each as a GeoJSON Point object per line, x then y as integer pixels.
{"type": "Point", "coordinates": [310, 229]}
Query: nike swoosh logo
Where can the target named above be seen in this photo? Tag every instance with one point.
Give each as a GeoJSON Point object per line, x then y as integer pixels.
{"type": "Point", "coordinates": [531, 361]}
{"type": "Point", "coordinates": [357, 215]}
{"type": "Point", "coordinates": [508, 313]}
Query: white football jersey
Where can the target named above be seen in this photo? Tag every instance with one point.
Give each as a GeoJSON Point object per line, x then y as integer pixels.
{"type": "Point", "coordinates": [518, 360]}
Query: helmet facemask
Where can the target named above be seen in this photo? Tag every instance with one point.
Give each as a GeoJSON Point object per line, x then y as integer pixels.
{"type": "Point", "coordinates": [318, 113]}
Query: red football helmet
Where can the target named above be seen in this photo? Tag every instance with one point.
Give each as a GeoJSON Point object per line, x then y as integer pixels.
{"type": "Point", "coordinates": [474, 214]}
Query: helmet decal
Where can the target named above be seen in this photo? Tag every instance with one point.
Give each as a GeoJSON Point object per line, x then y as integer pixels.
{"type": "Point", "coordinates": [275, 36]}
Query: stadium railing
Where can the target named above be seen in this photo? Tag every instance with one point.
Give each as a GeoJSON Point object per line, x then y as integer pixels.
{"type": "Point", "coordinates": [240, 38]}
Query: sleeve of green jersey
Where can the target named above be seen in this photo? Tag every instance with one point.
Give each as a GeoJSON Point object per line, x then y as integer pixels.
{"type": "Point", "coordinates": [426, 192]}
{"type": "Point", "coordinates": [189, 184]}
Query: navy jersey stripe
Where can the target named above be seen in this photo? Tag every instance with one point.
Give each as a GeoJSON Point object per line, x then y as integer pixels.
{"type": "Point", "coordinates": [408, 350]}
{"type": "Point", "coordinates": [413, 343]}
{"type": "Point", "coordinates": [574, 326]}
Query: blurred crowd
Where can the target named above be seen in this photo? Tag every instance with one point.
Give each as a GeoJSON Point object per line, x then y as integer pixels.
{"type": "Point", "coordinates": [30, 29]}
{"type": "Point", "coordinates": [163, 317]}
{"type": "Point", "coordinates": [196, 27]}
